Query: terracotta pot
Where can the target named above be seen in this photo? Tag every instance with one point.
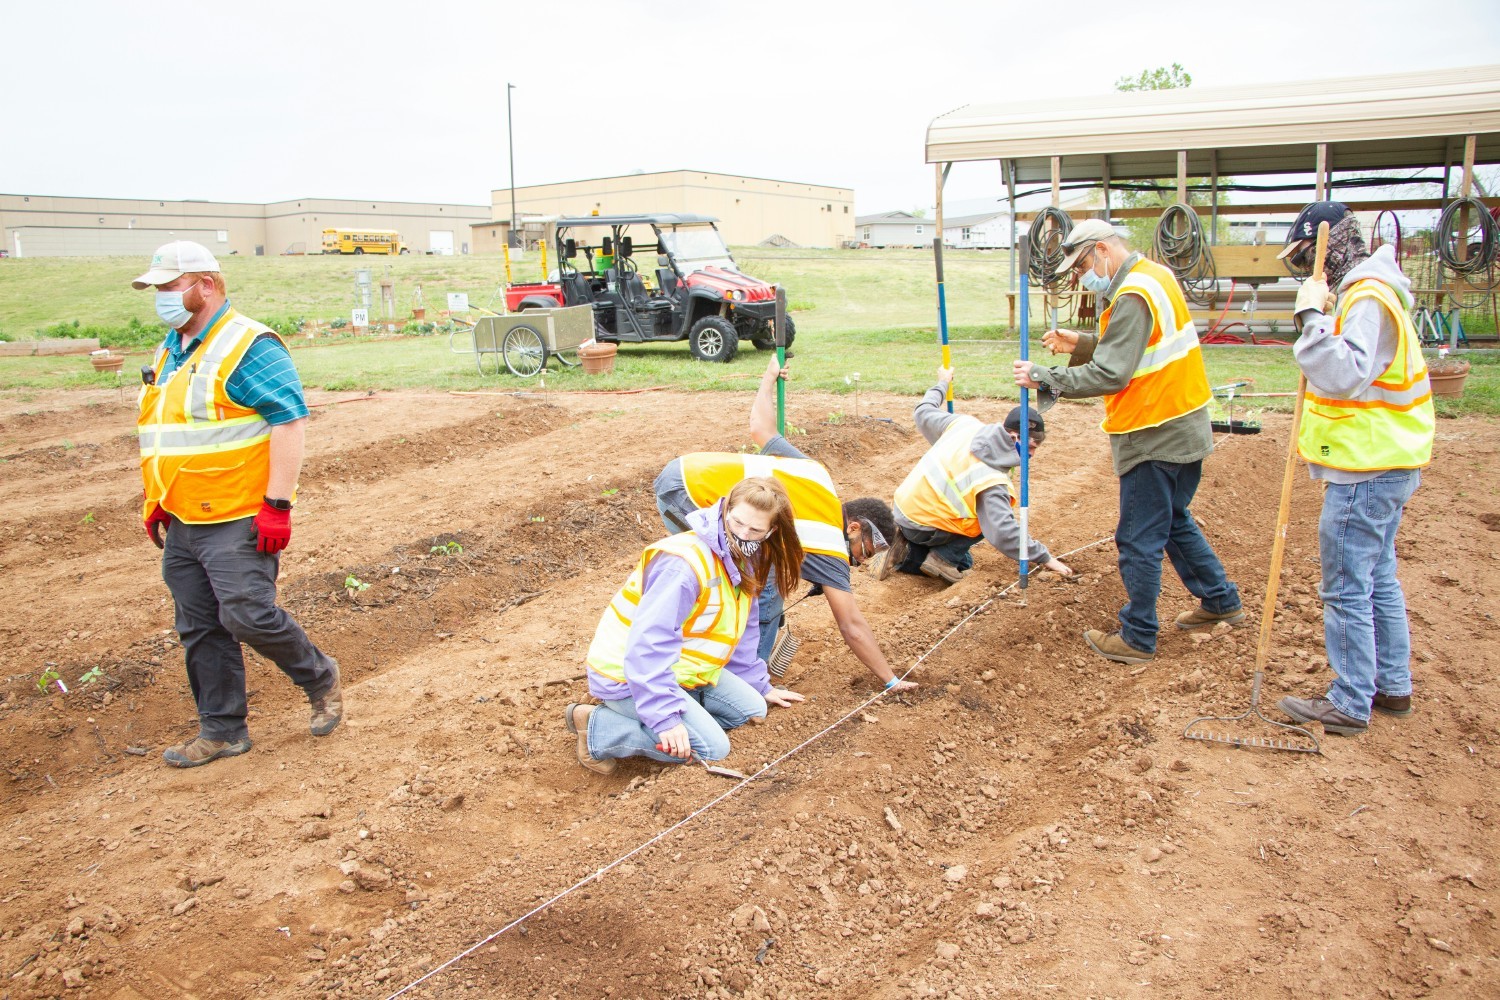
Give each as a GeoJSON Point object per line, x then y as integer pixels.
{"type": "Point", "coordinates": [107, 362]}
{"type": "Point", "coordinates": [597, 359]}
{"type": "Point", "coordinates": [1448, 380]}
{"type": "Point", "coordinates": [419, 314]}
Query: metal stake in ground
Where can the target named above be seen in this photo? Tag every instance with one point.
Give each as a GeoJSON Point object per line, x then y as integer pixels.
{"type": "Point", "coordinates": [780, 334]}
{"type": "Point", "coordinates": [1201, 728]}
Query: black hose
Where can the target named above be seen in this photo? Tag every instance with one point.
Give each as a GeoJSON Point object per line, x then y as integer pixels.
{"type": "Point", "coordinates": [1046, 246]}
{"type": "Point", "coordinates": [1476, 259]}
{"type": "Point", "coordinates": [1181, 247]}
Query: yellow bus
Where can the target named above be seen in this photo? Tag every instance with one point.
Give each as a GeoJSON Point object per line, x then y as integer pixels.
{"type": "Point", "coordinates": [361, 241]}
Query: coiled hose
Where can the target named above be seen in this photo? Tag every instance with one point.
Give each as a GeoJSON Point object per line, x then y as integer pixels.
{"type": "Point", "coordinates": [1180, 246]}
{"type": "Point", "coordinates": [1046, 246]}
{"type": "Point", "coordinates": [1477, 265]}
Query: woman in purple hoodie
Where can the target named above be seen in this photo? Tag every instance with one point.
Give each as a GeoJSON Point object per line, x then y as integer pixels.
{"type": "Point", "coordinates": [674, 657]}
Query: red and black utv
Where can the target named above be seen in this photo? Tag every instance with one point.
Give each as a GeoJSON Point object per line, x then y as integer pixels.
{"type": "Point", "coordinates": [697, 293]}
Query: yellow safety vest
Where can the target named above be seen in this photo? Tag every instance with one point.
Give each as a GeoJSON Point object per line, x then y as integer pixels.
{"type": "Point", "coordinates": [1391, 424]}
{"type": "Point", "coordinates": [943, 490]}
{"type": "Point", "coordinates": [709, 476]}
{"type": "Point", "coordinates": [1170, 380]}
{"type": "Point", "coordinates": [204, 457]}
{"type": "Point", "coordinates": [713, 628]}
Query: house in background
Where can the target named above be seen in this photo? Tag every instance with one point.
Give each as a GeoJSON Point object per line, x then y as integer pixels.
{"type": "Point", "coordinates": [894, 229]}
{"type": "Point", "coordinates": [990, 231]}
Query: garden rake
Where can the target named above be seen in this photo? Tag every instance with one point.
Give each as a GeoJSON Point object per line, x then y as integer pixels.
{"type": "Point", "coordinates": [1212, 728]}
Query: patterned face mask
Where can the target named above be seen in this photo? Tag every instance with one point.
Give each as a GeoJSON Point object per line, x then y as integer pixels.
{"type": "Point", "coordinates": [746, 546]}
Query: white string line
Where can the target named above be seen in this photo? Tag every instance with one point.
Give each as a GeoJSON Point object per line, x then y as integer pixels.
{"type": "Point", "coordinates": [598, 874]}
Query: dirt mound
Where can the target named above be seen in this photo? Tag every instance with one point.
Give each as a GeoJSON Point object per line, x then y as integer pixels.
{"type": "Point", "coordinates": [1027, 822]}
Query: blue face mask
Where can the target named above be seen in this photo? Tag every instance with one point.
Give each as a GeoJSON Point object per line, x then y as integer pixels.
{"type": "Point", "coordinates": [1096, 283]}
{"type": "Point", "coordinates": [171, 310]}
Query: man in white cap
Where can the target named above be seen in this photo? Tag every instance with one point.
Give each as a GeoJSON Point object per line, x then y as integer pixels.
{"type": "Point", "coordinates": [1146, 363]}
{"type": "Point", "coordinates": [221, 424]}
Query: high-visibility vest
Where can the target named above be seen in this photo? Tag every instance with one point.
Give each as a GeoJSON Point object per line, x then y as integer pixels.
{"type": "Point", "coordinates": [1170, 380]}
{"type": "Point", "coordinates": [709, 476]}
{"type": "Point", "coordinates": [943, 490]}
{"type": "Point", "coordinates": [204, 457]}
{"type": "Point", "coordinates": [713, 628]}
{"type": "Point", "coordinates": [1391, 424]}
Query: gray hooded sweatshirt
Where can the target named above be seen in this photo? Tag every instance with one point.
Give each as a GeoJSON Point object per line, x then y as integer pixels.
{"type": "Point", "coordinates": [1346, 365]}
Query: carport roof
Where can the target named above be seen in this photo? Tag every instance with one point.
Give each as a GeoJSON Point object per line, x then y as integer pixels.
{"type": "Point", "coordinates": [1370, 123]}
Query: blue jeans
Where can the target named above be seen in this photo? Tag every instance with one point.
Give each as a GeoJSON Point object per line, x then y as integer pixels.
{"type": "Point", "coordinates": [950, 548]}
{"type": "Point", "coordinates": [1154, 517]}
{"type": "Point", "coordinates": [616, 731]}
{"type": "Point", "coordinates": [1365, 629]}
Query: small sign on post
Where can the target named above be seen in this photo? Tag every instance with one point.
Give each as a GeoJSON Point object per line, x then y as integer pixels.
{"type": "Point", "coordinates": [361, 319]}
{"type": "Point", "coordinates": [458, 302]}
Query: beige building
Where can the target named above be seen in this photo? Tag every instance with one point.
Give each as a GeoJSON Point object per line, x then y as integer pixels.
{"type": "Point", "coordinates": [749, 209]}
{"type": "Point", "coordinates": [48, 226]}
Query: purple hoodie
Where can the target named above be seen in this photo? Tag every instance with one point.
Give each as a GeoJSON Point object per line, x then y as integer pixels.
{"type": "Point", "coordinates": [668, 592]}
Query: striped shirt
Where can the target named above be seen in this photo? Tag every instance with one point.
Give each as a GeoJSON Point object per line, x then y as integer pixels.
{"type": "Point", "coordinates": [265, 381]}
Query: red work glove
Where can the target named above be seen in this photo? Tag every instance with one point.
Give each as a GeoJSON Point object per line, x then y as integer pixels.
{"type": "Point", "coordinates": [273, 529]}
{"type": "Point", "coordinates": [157, 524]}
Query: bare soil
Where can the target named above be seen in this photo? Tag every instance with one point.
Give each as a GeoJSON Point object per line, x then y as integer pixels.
{"type": "Point", "coordinates": [1029, 822]}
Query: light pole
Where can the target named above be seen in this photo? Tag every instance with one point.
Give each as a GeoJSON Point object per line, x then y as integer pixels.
{"type": "Point", "coordinates": [511, 135]}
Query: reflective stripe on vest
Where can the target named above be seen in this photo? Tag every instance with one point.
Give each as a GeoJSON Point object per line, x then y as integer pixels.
{"type": "Point", "coordinates": [942, 492]}
{"type": "Point", "coordinates": [204, 457]}
{"type": "Point", "coordinates": [1389, 425]}
{"type": "Point", "coordinates": [714, 627]}
{"type": "Point", "coordinates": [709, 476]}
{"type": "Point", "coordinates": [1170, 381]}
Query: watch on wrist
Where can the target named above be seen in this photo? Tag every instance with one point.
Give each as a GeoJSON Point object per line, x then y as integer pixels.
{"type": "Point", "coordinates": [277, 504]}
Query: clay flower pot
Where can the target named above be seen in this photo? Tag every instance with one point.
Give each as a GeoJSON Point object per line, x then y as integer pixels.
{"type": "Point", "coordinates": [1447, 376]}
{"type": "Point", "coordinates": [107, 362]}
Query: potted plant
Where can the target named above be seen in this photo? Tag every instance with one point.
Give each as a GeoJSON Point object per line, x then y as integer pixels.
{"type": "Point", "coordinates": [1447, 375]}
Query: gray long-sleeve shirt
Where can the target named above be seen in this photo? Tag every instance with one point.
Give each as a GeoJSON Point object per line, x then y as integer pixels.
{"type": "Point", "coordinates": [1103, 367]}
{"type": "Point", "coordinates": [992, 446]}
{"type": "Point", "coordinates": [1346, 365]}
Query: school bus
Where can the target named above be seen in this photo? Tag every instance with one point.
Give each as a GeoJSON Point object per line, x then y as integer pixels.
{"type": "Point", "coordinates": [361, 241]}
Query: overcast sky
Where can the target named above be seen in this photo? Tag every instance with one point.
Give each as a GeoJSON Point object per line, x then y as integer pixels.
{"type": "Point", "coordinates": [406, 101]}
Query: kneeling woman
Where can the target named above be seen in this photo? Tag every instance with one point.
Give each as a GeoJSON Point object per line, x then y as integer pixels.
{"type": "Point", "coordinates": [674, 657]}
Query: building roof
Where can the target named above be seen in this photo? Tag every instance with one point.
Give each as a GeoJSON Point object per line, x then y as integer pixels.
{"type": "Point", "coordinates": [972, 220]}
{"type": "Point", "coordinates": [889, 219]}
{"type": "Point", "coordinates": [1369, 122]}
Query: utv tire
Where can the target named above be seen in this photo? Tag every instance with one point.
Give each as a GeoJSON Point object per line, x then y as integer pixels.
{"type": "Point", "coordinates": [768, 341]}
{"type": "Point", "coordinates": [712, 338]}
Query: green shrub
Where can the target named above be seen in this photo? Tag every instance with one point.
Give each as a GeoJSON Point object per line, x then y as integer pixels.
{"type": "Point", "coordinates": [133, 333]}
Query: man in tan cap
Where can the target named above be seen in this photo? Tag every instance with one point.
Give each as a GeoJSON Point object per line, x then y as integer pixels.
{"type": "Point", "coordinates": [1146, 363]}
{"type": "Point", "coordinates": [221, 424]}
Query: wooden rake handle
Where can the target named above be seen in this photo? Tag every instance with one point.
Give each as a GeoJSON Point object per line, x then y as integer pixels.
{"type": "Point", "coordinates": [1284, 510]}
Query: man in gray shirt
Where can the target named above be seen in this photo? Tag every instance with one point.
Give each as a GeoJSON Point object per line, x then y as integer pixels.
{"type": "Point", "coordinates": [1146, 362]}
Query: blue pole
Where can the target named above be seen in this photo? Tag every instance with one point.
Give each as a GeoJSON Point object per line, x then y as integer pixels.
{"type": "Point", "coordinates": [1025, 427]}
{"type": "Point", "coordinates": [937, 256]}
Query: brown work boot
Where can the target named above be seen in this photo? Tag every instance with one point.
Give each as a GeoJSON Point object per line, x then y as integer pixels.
{"type": "Point", "coordinates": [1386, 704]}
{"type": "Point", "coordinates": [941, 569]}
{"type": "Point", "coordinates": [328, 707]}
{"type": "Point", "coordinates": [892, 557]}
{"type": "Point", "coordinates": [1199, 617]}
{"type": "Point", "coordinates": [576, 719]}
{"type": "Point", "coordinates": [1306, 710]}
{"type": "Point", "coordinates": [198, 751]}
{"type": "Point", "coordinates": [1112, 646]}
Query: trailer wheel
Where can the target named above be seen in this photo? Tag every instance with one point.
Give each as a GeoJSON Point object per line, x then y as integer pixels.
{"type": "Point", "coordinates": [525, 353]}
{"type": "Point", "coordinates": [712, 338]}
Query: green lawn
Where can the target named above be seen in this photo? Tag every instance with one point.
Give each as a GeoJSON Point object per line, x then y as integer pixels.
{"type": "Point", "coordinates": [866, 312]}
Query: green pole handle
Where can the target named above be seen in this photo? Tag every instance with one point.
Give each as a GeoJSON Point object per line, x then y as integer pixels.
{"type": "Point", "coordinates": [780, 334]}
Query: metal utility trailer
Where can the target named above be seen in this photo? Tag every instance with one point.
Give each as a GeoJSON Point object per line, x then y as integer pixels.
{"type": "Point", "coordinates": [524, 341]}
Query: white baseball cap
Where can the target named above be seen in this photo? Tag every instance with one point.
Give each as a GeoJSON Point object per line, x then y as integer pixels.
{"type": "Point", "coordinates": [1080, 238]}
{"type": "Point", "coordinates": [173, 261]}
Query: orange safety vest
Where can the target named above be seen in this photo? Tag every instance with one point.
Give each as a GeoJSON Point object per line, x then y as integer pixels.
{"type": "Point", "coordinates": [1170, 380]}
{"type": "Point", "coordinates": [709, 476]}
{"type": "Point", "coordinates": [204, 458]}
{"type": "Point", "coordinates": [713, 628]}
{"type": "Point", "coordinates": [1389, 425]}
{"type": "Point", "coordinates": [942, 492]}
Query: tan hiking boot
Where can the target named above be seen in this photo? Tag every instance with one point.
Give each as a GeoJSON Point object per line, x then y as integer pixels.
{"type": "Point", "coordinates": [198, 751]}
{"type": "Point", "coordinates": [1112, 646]}
{"type": "Point", "coordinates": [941, 569]}
{"type": "Point", "coordinates": [1198, 617]}
{"type": "Point", "coordinates": [1305, 710]}
{"type": "Point", "coordinates": [576, 719]}
{"type": "Point", "coordinates": [1397, 705]}
{"type": "Point", "coordinates": [328, 707]}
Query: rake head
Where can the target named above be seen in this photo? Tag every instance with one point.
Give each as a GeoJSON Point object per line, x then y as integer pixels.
{"type": "Point", "coordinates": [1213, 729]}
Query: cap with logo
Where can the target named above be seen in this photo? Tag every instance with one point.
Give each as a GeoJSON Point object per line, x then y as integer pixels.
{"type": "Point", "coordinates": [1013, 420]}
{"type": "Point", "coordinates": [1080, 238]}
{"type": "Point", "coordinates": [173, 261]}
{"type": "Point", "coordinates": [1306, 226]}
